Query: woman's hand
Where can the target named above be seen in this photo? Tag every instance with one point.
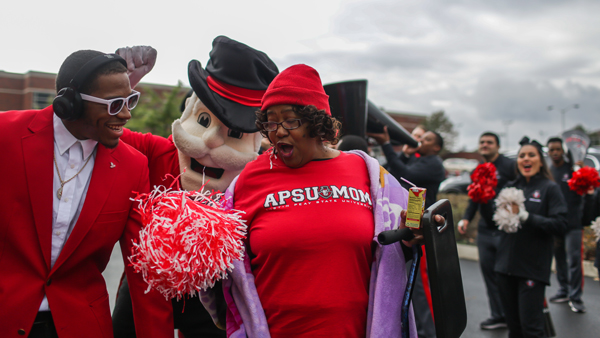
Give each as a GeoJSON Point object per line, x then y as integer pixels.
{"type": "Point", "coordinates": [463, 225]}
{"type": "Point", "coordinates": [419, 239]}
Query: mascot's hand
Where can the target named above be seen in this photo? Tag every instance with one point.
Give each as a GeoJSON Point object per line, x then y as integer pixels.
{"type": "Point", "coordinates": [140, 61]}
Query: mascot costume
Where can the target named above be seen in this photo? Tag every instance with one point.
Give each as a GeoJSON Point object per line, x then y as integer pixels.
{"type": "Point", "coordinates": [210, 144]}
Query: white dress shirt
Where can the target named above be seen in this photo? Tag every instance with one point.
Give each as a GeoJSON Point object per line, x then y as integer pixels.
{"type": "Point", "coordinates": [71, 154]}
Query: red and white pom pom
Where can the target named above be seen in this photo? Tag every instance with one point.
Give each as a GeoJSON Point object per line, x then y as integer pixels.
{"type": "Point", "coordinates": [188, 241]}
{"type": "Point", "coordinates": [503, 216]}
{"type": "Point", "coordinates": [484, 179]}
{"type": "Point", "coordinates": [596, 227]}
{"type": "Point", "coordinates": [583, 180]}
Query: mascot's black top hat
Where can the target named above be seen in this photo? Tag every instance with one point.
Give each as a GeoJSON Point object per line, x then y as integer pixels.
{"type": "Point", "coordinates": [233, 83]}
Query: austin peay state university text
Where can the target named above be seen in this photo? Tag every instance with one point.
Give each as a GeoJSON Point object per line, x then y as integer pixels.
{"type": "Point", "coordinates": [322, 194]}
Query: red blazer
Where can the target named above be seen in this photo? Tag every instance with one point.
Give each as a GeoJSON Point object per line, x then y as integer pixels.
{"type": "Point", "coordinates": [74, 286]}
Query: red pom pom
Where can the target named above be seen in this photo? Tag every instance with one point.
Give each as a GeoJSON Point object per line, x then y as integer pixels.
{"type": "Point", "coordinates": [583, 180]}
{"type": "Point", "coordinates": [483, 188]}
{"type": "Point", "coordinates": [188, 241]}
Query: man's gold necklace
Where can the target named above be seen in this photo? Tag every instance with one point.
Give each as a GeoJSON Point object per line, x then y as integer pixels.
{"type": "Point", "coordinates": [62, 183]}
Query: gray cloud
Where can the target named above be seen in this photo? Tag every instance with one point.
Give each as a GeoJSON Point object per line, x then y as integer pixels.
{"type": "Point", "coordinates": [485, 63]}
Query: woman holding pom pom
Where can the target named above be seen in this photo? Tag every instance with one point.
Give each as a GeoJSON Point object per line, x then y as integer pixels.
{"type": "Point", "coordinates": [312, 266]}
{"type": "Point", "coordinates": [531, 210]}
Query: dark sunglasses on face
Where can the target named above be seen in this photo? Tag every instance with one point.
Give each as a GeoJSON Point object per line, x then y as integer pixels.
{"type": "Point", "coordinates": [287, 124]}
{"type": "Point", "coordinates": [114, 106]}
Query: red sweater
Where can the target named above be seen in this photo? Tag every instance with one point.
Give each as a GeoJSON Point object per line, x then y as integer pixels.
{"type": "Point", "coordinates": [310, 235]}
{"type": "Point", "coordinates": [161, 153]}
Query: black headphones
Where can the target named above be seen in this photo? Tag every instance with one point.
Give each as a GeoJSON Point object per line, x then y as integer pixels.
{"type": "Point", "coordinates": [68, 104]}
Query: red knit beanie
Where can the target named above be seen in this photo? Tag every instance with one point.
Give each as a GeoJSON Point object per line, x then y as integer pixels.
{"type": "Point", "coordinates": [297, 85]}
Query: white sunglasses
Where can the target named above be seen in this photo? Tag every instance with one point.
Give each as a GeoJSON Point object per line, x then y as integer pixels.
{"type": "Point", "coordinates": [114, 106]}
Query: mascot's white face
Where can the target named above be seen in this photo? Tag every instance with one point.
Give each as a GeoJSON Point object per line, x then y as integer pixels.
{"type": "Point", "coordinates": [209, 151]}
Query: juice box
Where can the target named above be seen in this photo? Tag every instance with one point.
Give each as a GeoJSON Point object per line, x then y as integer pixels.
{"type": "Point", "coordinates": [416, 205]}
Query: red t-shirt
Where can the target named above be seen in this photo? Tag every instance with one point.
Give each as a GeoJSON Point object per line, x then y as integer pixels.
{"type": "Point", "coordinates": [310, 234]}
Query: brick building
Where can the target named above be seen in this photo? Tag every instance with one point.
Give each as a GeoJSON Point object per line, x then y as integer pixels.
{"type": "Point", "coordinates": [32, 90]}
{"type": "Point", "coordinates": [35, 90]}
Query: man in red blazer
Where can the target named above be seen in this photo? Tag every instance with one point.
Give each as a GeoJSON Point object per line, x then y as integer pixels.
{"type": "Point", "coordinates": [65, 202]}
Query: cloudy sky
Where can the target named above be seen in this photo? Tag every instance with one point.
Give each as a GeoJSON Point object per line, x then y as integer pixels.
{"type": "Point", "coordinates": [491, 65]}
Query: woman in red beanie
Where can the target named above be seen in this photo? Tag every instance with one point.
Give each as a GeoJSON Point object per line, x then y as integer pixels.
{"type": "Point", "coordinates": [312, 267]}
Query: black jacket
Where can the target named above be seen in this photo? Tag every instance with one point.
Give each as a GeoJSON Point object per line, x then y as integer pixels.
{"type": "Point", "coordinates": [591, 210]}
{"type": "Point", "coordinates": [506, 170]}
{"type": "Point", "coordinates": [561, 176]}
{"type": "Point", "coordinates": [527, 253]}
{"type": "Point", "coordinates": [591, 207]}
{"type": "Point", "coordinates": [425, 171]}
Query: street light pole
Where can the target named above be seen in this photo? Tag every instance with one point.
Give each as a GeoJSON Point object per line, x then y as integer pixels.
{"type": "Point", "coordinates": [563, 111]}
{"type": "Point", "coordinates": [506, 124]}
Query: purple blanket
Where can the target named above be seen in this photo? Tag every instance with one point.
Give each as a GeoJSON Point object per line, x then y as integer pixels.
{"type": "Point", "coordinates": [245, 316]}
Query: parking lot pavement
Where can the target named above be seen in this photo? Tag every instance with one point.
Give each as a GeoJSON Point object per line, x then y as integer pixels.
{"type": "Point", "coordinates": [566, 323]}
{"type": "Point", "coordinates": [112, 274]}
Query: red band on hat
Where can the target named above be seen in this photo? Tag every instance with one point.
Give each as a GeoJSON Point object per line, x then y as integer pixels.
{"type": "Point", "coordinates": [243, 96]}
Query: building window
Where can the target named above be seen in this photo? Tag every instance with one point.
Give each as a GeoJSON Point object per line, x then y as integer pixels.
{"type": "Point", "coordinates": [42, 100]}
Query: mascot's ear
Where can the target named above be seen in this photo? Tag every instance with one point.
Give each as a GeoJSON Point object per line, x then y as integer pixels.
{"type": "Point", "coordinates": [184, 101]}
{"type": "Point", "coordinates": [190, 102]}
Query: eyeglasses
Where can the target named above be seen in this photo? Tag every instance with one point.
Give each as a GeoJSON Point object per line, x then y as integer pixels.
{"type": "Point", "coordinates": [287, 124]}
{"type": "Point", "coordinates": [115, 106]}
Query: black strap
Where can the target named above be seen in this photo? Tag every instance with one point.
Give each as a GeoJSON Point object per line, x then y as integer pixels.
{"type": "Point", "coordinates": [91, 66]}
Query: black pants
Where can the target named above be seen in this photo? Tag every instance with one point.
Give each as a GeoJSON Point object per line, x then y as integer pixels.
{"type": "Point", "coordinates": [569, 270]}
{"type": "Point", "coordinates": [597, 261]}
{"type": "Point", "coordinates": [189, 316]}
{"type": "Point", "coordinates": [487, 245]}
{"type": "Point", "coordinates": [43, 326]}
{"type": "Point", "coordinates": [423, 316]}
{"type": "Point", "coordinates": [523, 301]}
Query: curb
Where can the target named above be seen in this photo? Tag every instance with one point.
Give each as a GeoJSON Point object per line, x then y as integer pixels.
{"type": "Point", "coordinates": [470, 252]}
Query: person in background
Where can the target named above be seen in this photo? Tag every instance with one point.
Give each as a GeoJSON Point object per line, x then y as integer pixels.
{"type": "Point", "coordinates": [353, 142]}
{"type": "Point", "coordinates": [567, 248]}
{"type": "Point", "coordinates": [488, 235]}
{"type": "Point", "coordinates": [410, 152]}
{"type": "Point", "coordinates": [591, 211]}
{"type": "Point", "coordinates": [67, 199]}
{"type": "Point", "coordinates": [425, 171]}
{"type": "Point", "coordinates": [524, 257]}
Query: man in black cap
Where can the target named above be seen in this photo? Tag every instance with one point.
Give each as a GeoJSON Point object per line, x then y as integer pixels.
{"type": "Point", "coordinates": [211, 143]}
{"type": "Point", "coordinates": [67, 198]}
{"type": "Point", "coordinates": [426, 171]}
